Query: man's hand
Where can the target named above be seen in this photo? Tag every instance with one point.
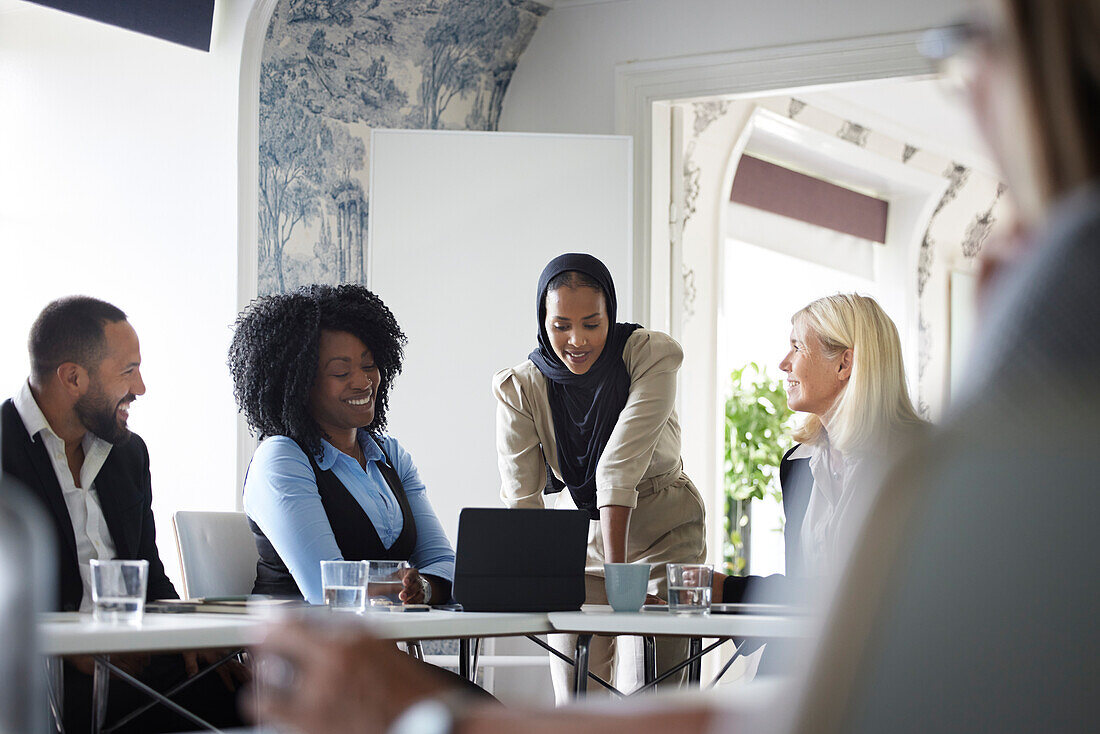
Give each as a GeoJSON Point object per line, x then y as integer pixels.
{"type": "Point", "coordinates": [336, 680]}
{"type": "Point", "coordinates": [232, 673]}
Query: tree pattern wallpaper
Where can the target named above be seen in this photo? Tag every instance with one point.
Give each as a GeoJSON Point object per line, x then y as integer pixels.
{"type": "Point", "coordinates": [334, 69]}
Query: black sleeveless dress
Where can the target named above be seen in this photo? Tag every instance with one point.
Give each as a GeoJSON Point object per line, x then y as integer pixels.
{"type": "Point", "coordinates": [355, 533]}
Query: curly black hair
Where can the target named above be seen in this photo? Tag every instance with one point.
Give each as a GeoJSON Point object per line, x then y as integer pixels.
{"type": "Point", "coordinates": [274, 352]}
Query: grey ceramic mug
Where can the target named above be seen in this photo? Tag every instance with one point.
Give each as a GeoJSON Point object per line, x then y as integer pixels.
{"type": "Point", "coordinates": [626, 585]}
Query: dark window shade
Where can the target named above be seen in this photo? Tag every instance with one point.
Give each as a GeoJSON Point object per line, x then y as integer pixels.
{"type": "Point", "coordinates": [780, 190]}
{"type": "Point", "coordinates": [187, 22]}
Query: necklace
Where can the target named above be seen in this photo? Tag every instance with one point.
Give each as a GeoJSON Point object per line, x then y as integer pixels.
{"type": "Point", "coordinates": [357, 453]}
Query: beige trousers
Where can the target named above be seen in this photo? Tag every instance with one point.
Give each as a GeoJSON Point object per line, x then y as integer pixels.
{"type": "Point", "coordinates": [667, 525]}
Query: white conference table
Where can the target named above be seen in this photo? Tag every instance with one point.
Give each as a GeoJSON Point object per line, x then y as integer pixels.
{"type": "Point", "coordinates": [71, 633]}
{"type": "Point", "coordinates": [601, 620]}
{"type": "Point", "coordinates": [648, 624]}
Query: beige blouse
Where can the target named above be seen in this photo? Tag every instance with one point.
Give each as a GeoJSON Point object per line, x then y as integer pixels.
{"type": "Point", "coordinates": [644, 444]}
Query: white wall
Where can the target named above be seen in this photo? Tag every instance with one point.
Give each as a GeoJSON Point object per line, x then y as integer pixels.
{"type": "Point", "coordinates": [565, 80]}
{"type": "Point", "coordinates": [118, 178]}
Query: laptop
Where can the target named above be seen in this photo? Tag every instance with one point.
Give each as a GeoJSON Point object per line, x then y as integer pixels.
{"type": "Point", "coordinates": [520, 560]}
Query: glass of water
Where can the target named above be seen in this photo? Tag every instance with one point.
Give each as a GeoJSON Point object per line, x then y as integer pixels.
{"type": "Point", "coordinates": [345, 585]}
{"type": "Point", "coordinates": [689, 588]}
{"type": "Point", "coordinates": [387, 578]}
{"type": "Point", "coordinates": [118, 591]}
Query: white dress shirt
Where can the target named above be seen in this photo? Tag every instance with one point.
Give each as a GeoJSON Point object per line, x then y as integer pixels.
{"type": "Point", "coordinates": [93, 539]}
{"type": "Point", "coordinates": [831, 499]}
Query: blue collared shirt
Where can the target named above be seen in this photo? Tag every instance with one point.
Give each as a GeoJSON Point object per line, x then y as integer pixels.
{"type": "Point", "coordinates": [280, 495]}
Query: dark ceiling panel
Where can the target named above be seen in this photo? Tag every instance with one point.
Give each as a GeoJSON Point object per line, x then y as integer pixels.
{"type": "Point", "coordinates": [186, 22]}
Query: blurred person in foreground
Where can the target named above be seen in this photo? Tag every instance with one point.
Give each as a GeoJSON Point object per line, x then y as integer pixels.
{"type": "Point", "coordinates": [969, 602]}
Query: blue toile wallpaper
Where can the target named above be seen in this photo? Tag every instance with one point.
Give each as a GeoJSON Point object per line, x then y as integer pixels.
{"type": "Point", "coordinates": [334, 69]}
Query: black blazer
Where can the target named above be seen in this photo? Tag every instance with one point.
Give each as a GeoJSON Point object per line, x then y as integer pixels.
{"type": "Point", "coordinates": [796, 483]}
{"type": "Point", "coordinates": [125, 494]}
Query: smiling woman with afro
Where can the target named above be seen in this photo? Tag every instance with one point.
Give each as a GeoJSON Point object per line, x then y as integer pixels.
{"type": "Point", "coordinates": [312, 372]}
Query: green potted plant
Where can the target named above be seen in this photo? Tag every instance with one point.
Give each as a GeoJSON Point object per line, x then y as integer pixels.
{"type": "Point", "coordinates": [757, 433]}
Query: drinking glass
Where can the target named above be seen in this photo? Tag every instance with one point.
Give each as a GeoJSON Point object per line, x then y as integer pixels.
{"type": "Point", "coordinates": [689, 588]}
{"type": "Point", "coordinates": [345, 585]}
{"type": "Point", "coordinates": [118, 591]}
{"type": "Point", "coordinates": [386, 582]}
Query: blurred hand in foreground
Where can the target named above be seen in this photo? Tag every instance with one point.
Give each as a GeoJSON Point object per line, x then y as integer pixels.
{"type": "Point", "coordinates": [334, 680]}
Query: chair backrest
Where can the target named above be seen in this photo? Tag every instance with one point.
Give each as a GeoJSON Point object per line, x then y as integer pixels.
{"type": "Point", "coordinates": [217, 553]}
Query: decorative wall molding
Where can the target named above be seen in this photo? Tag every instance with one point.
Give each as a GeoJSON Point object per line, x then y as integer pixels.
{"type": "Point", "coordinates": [640, 84]}
{"type": "Point", "coordinates": [961, 213]}
{"type": "Point", "coordinates": [853, 133]}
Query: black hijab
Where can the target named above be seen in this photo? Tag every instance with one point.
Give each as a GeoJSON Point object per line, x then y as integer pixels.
{"type": "Point", "coordinates": [585, 408]}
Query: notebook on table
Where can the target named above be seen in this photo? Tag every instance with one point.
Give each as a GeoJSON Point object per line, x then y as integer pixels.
{"type": "Point", "coordinates": [520, 560]}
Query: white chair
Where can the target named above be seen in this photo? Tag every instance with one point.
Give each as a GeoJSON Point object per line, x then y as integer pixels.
{"type": "Point", "coordinates": [217, 553]}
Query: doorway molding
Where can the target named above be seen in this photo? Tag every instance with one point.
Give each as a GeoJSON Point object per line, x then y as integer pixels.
{"type": "Point", "coordinates": [639, 85]}
{"type": "Point", "coordinates": [248, 190]}
{"type": "Point", "coordinates": [644, 93]}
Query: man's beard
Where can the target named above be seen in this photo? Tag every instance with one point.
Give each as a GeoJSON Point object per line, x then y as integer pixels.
{"type": "Point", "coordinates": [100, 417]}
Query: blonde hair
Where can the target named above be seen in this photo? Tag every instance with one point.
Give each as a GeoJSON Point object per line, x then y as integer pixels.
{"type": "Point", "coordinates": [874, 404]}
{"type": "Point", "coordinates": [1054, 48]}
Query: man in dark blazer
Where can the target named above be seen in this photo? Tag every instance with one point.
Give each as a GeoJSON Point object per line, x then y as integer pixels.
{"type": "Point", "coordinates": [65, 436]}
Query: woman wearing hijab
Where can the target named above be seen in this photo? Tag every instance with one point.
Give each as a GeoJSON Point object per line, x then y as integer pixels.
{"type": "Point", "coordinates": [592, 411]}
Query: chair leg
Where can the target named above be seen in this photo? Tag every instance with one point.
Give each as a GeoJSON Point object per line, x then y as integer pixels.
{"type": "Point", "coordinates": [464, 657]}
{"type": "Point", "coordinates": [580, 666]}
{"type": "Point", "coordinates": [650, 660]}
{"type": "Point", "coordinates": [695, 670]}
{"type": "Point", "coordinates": [473, 659]}
{"type": "Point", "coordinates": [101, 680]}
{"type": "Point", "coordinates": [55, 691]}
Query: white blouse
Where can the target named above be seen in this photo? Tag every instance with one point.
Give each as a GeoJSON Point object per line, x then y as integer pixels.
{"type": "Point", "coordinates": [833, 503]}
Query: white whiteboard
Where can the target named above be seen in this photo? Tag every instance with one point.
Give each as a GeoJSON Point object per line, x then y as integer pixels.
{"type": "Point", "coordinates": [461, 224]}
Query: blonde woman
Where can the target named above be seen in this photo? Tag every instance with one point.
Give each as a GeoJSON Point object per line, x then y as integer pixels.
{"type": "Point", "coordinates": [845, 374]}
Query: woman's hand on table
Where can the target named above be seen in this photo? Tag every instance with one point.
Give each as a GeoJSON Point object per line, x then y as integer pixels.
{"type": "Point", "coordinates": [716, 587]}
{"type": "Point", "coordinates": [412, 591]}
{"type": "Point", "coordinates": [318, 679]}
